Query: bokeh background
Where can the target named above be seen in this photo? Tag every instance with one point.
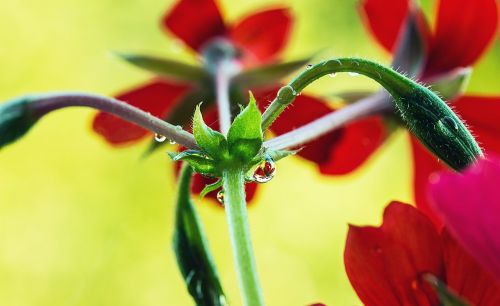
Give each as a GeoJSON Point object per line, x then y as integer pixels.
{"type": "Point", "coordinates": [82, 223]}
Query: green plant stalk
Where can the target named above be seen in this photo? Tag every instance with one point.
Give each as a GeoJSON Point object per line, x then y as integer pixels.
{"type": "Point", "coordinates": [239, 232]}
{"type": "Point", "coordinates": [425, 114]}
{"type": "Point", "coordinates": [386, 77]}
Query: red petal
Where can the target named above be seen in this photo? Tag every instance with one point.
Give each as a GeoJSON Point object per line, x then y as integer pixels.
{"type": "Point", "coordinates": [385, 264]}
{"type": "Point", "coordinates": [466, 277]}
{"type": "Point", "coordinates": [469, 204]}
{"type": "Point", "coordinates": [425, 165]}
{"type": "Point", "coordinates": [156, 97]}
{"type": "Point", "coordinates": [263, 34]}
{"type": "Point", "coordinates": [384, 23]}
{"type": "Point", "coordinates": [356, 143]}
{"type": "Point", "coordinates": [464, 29]}
{"type": "Point", "coordinates": [481, 115]}
{"type": "Point", "coordinates": [195, 22]}
{"type": "Point", "coordinates": [338, 152]}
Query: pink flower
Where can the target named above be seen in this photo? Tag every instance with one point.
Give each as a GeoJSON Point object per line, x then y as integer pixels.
{"type": "Point", "coordinates": [469, 205]}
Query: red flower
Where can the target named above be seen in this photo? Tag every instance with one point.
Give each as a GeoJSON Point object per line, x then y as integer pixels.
{"type": "Point", "coordinates": [386, 264]}
{"type": "Point", "coordinates": [463, 30]}
{"type": "Point", "coordinates": [469, 205]}
{"type": "Point", "coordinates": [198, 23]}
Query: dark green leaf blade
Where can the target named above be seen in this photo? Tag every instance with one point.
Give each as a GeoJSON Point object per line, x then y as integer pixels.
{"type": "Point", "coordinates": [16, 120]}
{"type": "Point", "coordinates": [167, 68]}
{"type": "Point", "coordinates": [191, 249]}
{"type": "Point", "coordinates": [268, 74]}
{"type": "Point", "coordinates": [212, 142]}
{"type": "Point", "coordinates": [245, 134]}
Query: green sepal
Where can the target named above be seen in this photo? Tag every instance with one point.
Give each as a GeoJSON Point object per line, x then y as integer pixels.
{"type": "Point", "coordinates": [16, 119]}
{"type": "Point", "coordinates": [210, 187]}
{"type": "Point", "coordinates": [410, 53]}
{"type": "Point", "coordinates": [200, 162]}
{"type": "Point", "coordinates": [167, 68]}
{"type": "Point", "coordinates": [445, 295]}
{"type": "Point", "coordinates": [268, 74]}
{"type": "Point", "coordinates": [211, 141]}
{"type": "Point", "coordinates": [192, 251]}
{"type": "Point", "coordinates": [245, 134]}
{"type": "Point", "coordinates": [453, 84]}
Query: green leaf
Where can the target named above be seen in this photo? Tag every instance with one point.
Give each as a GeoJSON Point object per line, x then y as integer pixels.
{"type": "Point", "coordinates": [212, 142]}
{"type": "Point", "coordinates": [268, 74]}
{"type": "Point", "coordinates": [446, 296]}
{"type": "Point", "coordinates": [16, 119]}
{"type": "Point", "coordinates": [211, 187]}
{"type": "Point", "coordinates": [167, 68]}
{"type": "Point", "coordinates": [198, 160]}
{"type": "Point", "coordinates": [191, 249]}
{"type": "Point", "coordinates": [452, 84]}
{"type": "Point", "coordinates": [245, 134]}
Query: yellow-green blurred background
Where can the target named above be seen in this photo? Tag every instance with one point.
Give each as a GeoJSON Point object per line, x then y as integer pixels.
{"type": "Point", "coordinates": [82, 223]}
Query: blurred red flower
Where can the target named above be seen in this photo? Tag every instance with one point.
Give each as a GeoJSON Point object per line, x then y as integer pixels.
{"type": "Point", "coordinates": [198, 23]}
{"type": "Point", "coordinates": [462, 32]}
{"type": "Point", "coordinates": [469, 205]}
{"type": "Point", "coordinates": [386, 264]}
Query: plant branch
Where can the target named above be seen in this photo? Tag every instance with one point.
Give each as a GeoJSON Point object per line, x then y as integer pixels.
{"type": "Point", "coordinates": [223, 77]}
{"type": "Point", "coordinates": [375, 104]}
{"type": "Point", "coordinates": [44, 104]}
{"type": "Point", "coordinates": [386, 77]}
{"type": "Point", "coordinates": [239, 232]}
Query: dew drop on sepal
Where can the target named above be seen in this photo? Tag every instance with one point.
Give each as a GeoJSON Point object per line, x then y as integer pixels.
{"type": "Point", "coordinates": [265, 171]}
{"type": "Point", "coordinates": [172, 142]}
{"type": "Point", "coordinates": [449, 122]}
{"type": "Point", "coordinates": [353, 73]}
{"type": "Point", "coordinates": [220, 196]}
{"type": "Point", "coordinates": [332, 75]}
{"type": "Point", "coordinates": [160, 138]}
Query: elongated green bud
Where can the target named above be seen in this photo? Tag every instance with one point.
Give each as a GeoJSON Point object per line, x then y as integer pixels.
{"type": "Point", "coordinates": [426, 115]}
{"type": "Point", "coordinates": [16, 119]}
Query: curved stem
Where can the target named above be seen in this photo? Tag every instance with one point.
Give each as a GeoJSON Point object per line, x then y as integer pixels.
{"type": "Point", "coordinates": [44, 104]}
{"type": "Point", "coordinates": [375, 104]}
{"type": "Point", "coordinates": [389, 79]}
{"type": "Point", "coordinates": [239, 232]}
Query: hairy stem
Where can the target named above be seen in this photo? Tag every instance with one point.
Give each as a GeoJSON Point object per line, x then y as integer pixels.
{"type": "Point", "coordinates": [386, 77]}
{"type": "Point", "coordinates": [44, 104]}
{"type": "Point", "coordinates": [222, 81]}
{"type": "Point", "coordinates": [236, 212]}
{"type": "Point", "coordinates": [375, 104]}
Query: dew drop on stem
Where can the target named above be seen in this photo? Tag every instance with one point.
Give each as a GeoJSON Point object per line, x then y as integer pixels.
{"type": "Point", "coordinates": [220, 196]}
{"type": "Point", "coordinates": [265, 171]}
{"type": "Point", "coordinates": [309, 66]}
{"type": "Point", "coordinates": [160, 138]}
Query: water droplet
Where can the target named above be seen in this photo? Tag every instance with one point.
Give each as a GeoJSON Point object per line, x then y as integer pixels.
{"type": "Point", "coordinates": [171, 141]}
{"type": "Point", "coordinates": [309, 66]}
{"type": "Point", "coordinates": [332, 75]}
{"type": "Point", "coordinates": [265, 171]}
{"type": "Point", "coordinates": [160, 138]}
{"type": "Point", "coordinates": [449, 122]}
{"type": "Point", "coordinates": [220, 196]}
{"type": "Point", "coordinates": [178, 128]}
{"type": "Point", "coordinates": [353, 73]}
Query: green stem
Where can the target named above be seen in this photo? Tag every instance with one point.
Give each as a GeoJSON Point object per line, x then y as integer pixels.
{"type": "Point", "coordinates": [239, 232]}
{"type": "Point", "coordinates": [389, 79]}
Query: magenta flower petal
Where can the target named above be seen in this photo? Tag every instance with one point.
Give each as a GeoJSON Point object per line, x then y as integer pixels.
{"type": "Point", "coordinates": [469, 205]}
